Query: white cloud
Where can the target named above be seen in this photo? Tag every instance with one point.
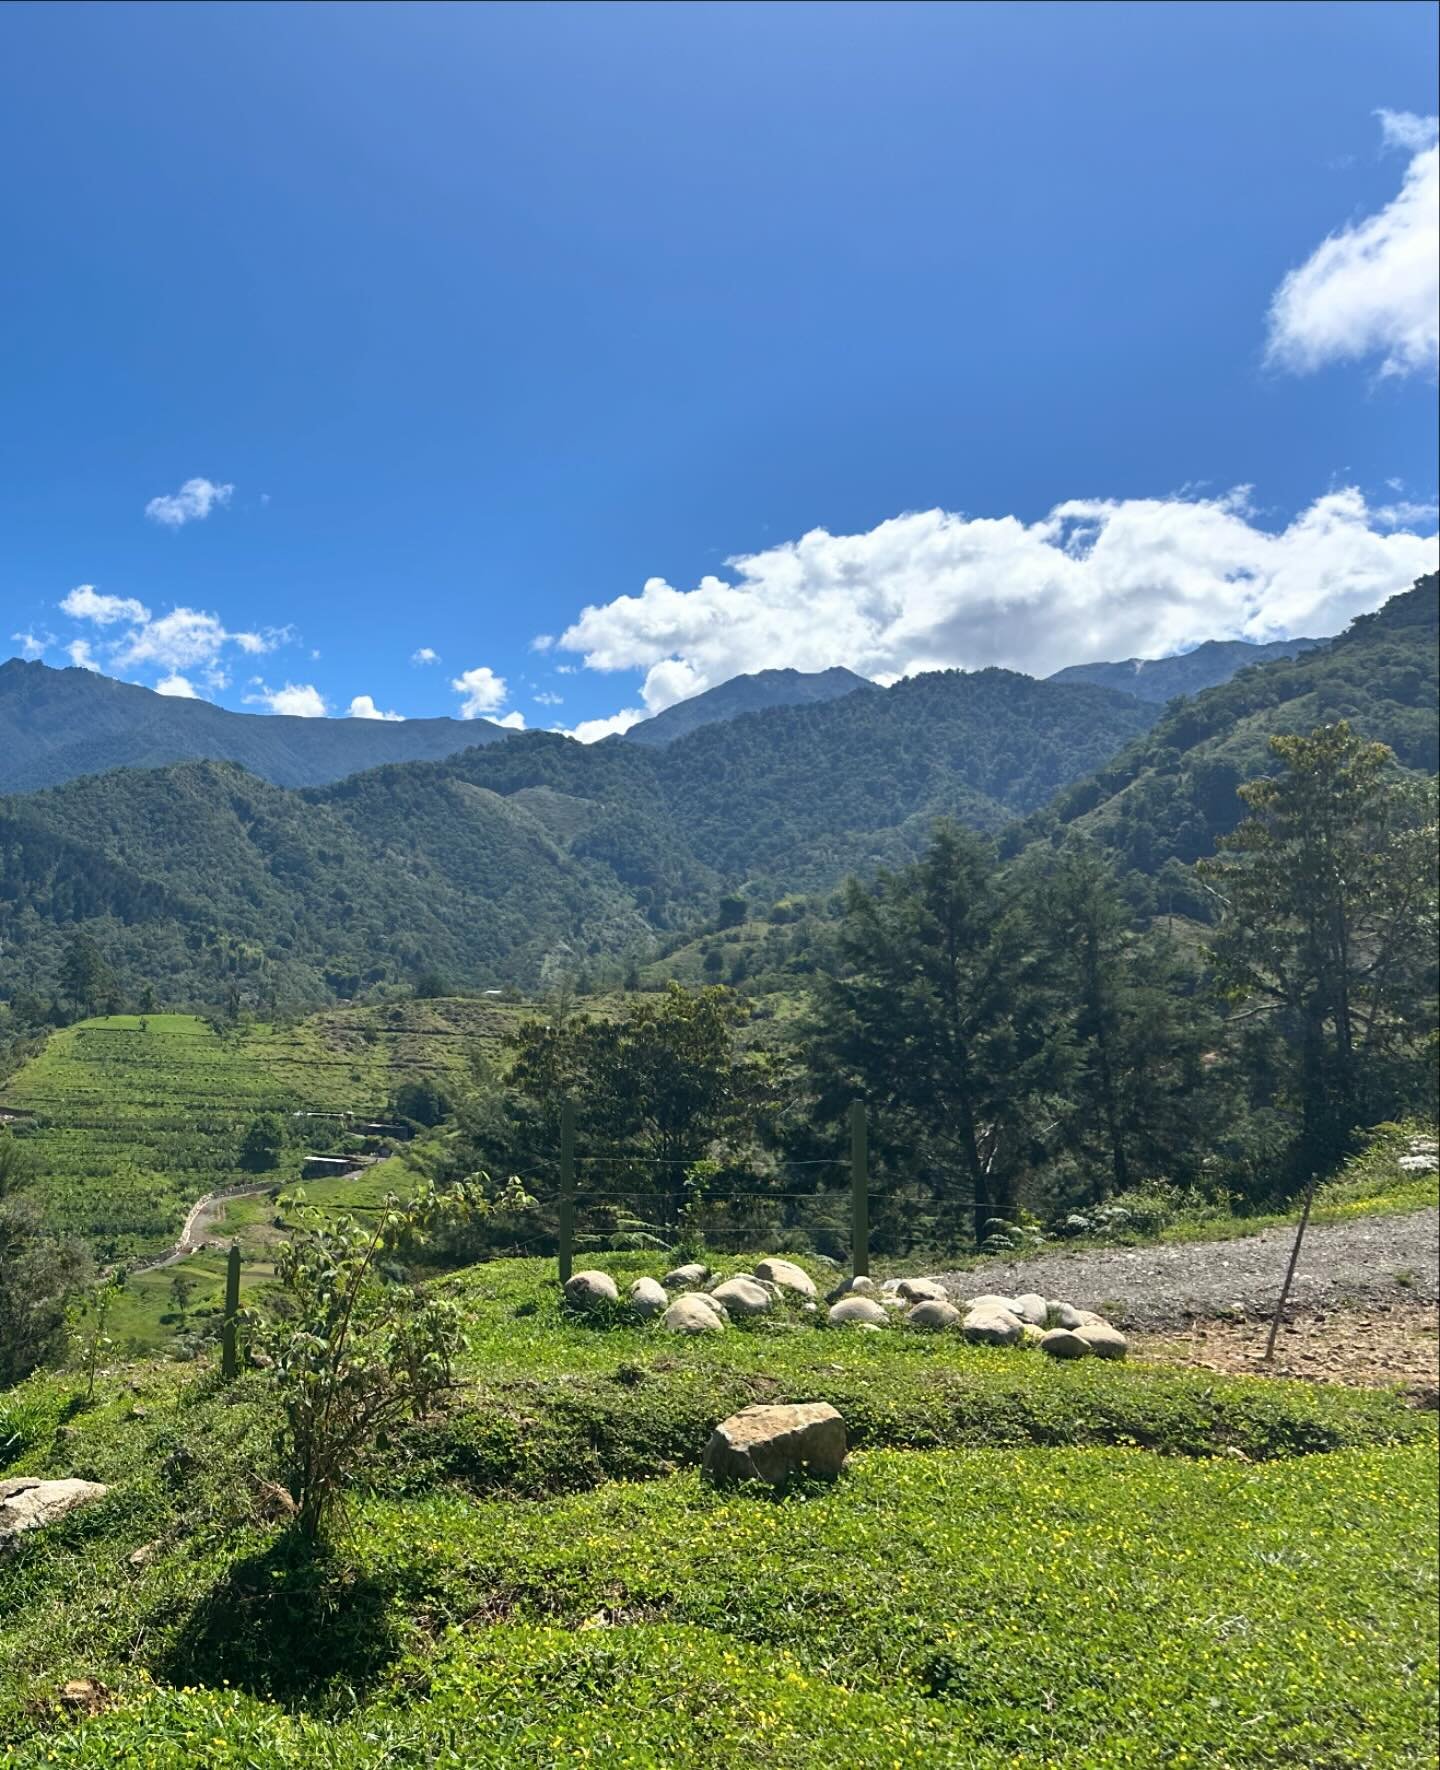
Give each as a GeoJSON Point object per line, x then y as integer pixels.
{"type": "Point", "coordinates": [80, 655]}
{"type": "Point", "coordinates": [481, 691]}
{"type": "Point", "coordinates": [301, 700]}
{"type": "Point", "coordinates": [179, 686]}
{"type": "Point", "coordinates": [546, 699]}
{"type": "Point", "coordinates": [1095, 578]}
{"type": "Point", "coordinates": [33, 645]}
{"type": "Point", "coordinates": [192, 503]}
{"type": "Point", "coordinates": [513, 721]}
{"type": "Point", "coordinates": [426, 655]}
{"type": "Point", "coordinates": [85, 603]}
{"type": "Point", "coordinates": [1373, 288]}
{"type": "Point", "coordinates": [590, 731]}
{"type": "Point", "coordinates": [363, 707]}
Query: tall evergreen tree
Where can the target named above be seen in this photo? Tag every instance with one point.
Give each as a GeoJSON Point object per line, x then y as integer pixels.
{"type": "Point", "coordinates": [1328, 927]}
{"type": "Point", "coordinates": [1141, 1094]}
{"type": "Point", "coordinates": [941, 1017]}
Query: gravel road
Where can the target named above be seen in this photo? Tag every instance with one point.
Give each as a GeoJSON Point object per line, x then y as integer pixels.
{"type": "Point", "coordinates": [1341, 1265]}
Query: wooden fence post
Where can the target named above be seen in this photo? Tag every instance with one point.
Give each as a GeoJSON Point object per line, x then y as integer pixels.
{"type": "Point", "coordinates": [1290, 1272]}
{"type": "Point", "coordinates": [230, 1328]}
{"type": "Point", "coordinates": [859, 1193]}
{"type": "Point", "coordinates": [567, 1190]}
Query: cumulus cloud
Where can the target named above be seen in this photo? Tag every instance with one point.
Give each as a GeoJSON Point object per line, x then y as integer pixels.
{"type": "Point", "coordinates": [86, 603]}
{"type": "Point", "coordinates": [299, 699]}
{"type": "Point", "coordinates": [192, 503]}
{"type": "Point", "coordinates": [1095, 578]}
{"type": "Point", "coordinates": [546, 699]}
{"type": "Point", "coordinates": [177, 685]}
{"type": "Point", "coordinates": [513, 721]}
{"type": "Point", "coordinates": [33, 645]}
{"type": "Point", "coordinates": [426, 655]}
{"type": "Point", "coordinates": [362, 706]}
{"type": "Point", "coordinates": [481, 692]}
{"type": "Point", "coordinates": [80, 654]}
{"type": "Point", "coordinates": [1373, 288]}
{"type": "Point", "coordinates": [590, 731]}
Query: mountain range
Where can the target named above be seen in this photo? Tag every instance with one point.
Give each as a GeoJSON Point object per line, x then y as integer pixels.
{"type": "Point", "coordinates": [502, 861]}
{"type": "Point", "coordinates": [1208, 665]}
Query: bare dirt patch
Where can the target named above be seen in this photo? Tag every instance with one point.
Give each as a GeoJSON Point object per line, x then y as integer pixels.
{"type": "Point", "coordinates": [1369, 1348]}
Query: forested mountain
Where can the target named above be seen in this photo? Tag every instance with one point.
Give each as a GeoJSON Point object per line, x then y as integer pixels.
{"type": "Point", "coordinates": [1161, 679]}
{"type": "Point", "coordinates": [1171, 793]}
{"type": "Point", "coordinates": [746, 694]}
{"type": "Point", "coordinates": [202, 879]}
{"type": "Point", "coordinates": [56, 725]}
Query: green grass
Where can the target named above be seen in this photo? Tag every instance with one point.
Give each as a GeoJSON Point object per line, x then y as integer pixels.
{"type": "Point", "coordinates": [978, 1608]}
{"type": "Point", "coordinates": [137, 1116]}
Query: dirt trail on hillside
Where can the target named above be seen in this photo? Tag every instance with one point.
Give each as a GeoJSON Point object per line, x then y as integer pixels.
{"type": "Point", "coordinates": [1371, 1261]}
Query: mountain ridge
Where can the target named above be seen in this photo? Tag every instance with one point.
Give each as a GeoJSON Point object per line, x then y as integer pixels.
{"type": "Point", "coordinates": [1206, 665]}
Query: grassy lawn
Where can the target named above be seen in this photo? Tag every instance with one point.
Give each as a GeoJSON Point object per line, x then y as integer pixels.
{"type": "Point", "coordinates": [1082, 1607]}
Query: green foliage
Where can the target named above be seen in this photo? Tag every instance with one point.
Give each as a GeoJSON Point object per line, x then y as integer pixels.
{"type": "Point", "coordinates": [263, 1144]}
{"type": "Point", "coordinates": [1328, 927]}
{"type": "Point", "coordinates": [39, 1271]}
{"type": "Point", "coordinates": [352, 1348]}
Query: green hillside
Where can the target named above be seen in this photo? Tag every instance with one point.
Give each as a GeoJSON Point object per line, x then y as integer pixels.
{"type": "Point", "coordinates": [502, 863]}
{"type": "Point", "coordinates": [131, 1118]}
{"type": "Point", "coordinates": [1171, 793]}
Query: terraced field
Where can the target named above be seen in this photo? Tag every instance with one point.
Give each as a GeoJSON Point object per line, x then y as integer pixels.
{"type": "Point", "coordinates": [131, 1118]}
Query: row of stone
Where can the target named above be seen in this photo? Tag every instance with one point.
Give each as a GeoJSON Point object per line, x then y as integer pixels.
{"type": "Point", "coordinates": [1057, 1328]}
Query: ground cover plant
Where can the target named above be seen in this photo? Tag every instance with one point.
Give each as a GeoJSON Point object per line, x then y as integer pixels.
{"type": "Point", "coordinates": [136, 1116]}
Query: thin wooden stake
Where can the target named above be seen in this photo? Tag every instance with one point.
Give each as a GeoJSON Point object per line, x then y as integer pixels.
{"type": "Point", "coordinates": [230, 1329]}
{"type": "Point", "coordinates": [1290, 1272]}
{"type": "Point", "coordinates": [859, 1193]}
{"type": "Point", "coordinates": [567, 1190]}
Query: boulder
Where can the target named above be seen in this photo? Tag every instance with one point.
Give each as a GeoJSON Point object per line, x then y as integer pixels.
{"type": "Point", "coordinates": [686, 1278]}
{"type": "Point", "coordinates": [863, 1311]}
{"type": "Point", "coordinates": [689, 1315]}
{"type": "Point", "coordinates": [922, 1290]}
{"type": "Point", "coordinates": [1063, 1315]}
{"type": "Point", "coordinates": [991, 1327]}
{"type": "Point", "coordinates": [893, 1303]}
{"type": "Point", "coordinates": [743, 1296]}
{"type": "Point", "coordinates": [648, 1298]}
{"type": "Point", "coordinates": [1103, 1340]}
{"type": "Point", "coordinates": [787, 1275]}
{"type": "Point", "coordinates": [1031, 1306]}
{"type": "Point", "coordinates": [1062, 1343]}
{"type": "Point", "coordinates": [1088, 1318]}
{"type": "Point", "coordinates": [933, 1313]}
{"type": "Point", "coordinates": [891, 1287]}
{"type": "Point", "coordinates": [591, 1290]}
{"type": "Point", "coordinates": [773, 1444]}
{"type": "Point", "coordinates": [860, 1286]}
{"type": "Point", "coordinates": [707, 1301]}
{"type": "Point", "coordinates": [1030, 1335]}
{"type": "Point", "coordinates": [29, 1504]}
{"type": "Point", "coordinates": [990, 1302]}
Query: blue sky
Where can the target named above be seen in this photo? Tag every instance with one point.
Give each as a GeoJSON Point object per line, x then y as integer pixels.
{"type": "Point", "coordinates": [894, 336]}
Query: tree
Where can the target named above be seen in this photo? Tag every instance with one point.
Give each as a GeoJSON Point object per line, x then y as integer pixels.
{"type": "Point", "coordinates": [39, 1272]}
{"type": "Point", "coordinates": [940, 1016]}
{"type": "Point", "coordinates": [732, 911]}
{"type": "Point", "coordinates": [1138, 1101]}
{"type": "Point", "coordinates": [86, 981]}
{"type": "Point", "coordinates": [182, 1289]}
{"type": "Point", "coordinates": [661, 1080]}
{"type": "Point", "coordinates": [263, 1143]}
{"type": "Point", "coordinates": [357, 1349]}
{"type": "Point", "coordinates": [421, 1102]}
{"type": "Point", "coordinates": [1328, 929]}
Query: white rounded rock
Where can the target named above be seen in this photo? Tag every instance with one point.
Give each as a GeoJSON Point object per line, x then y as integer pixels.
{"type": "Point", "coordinates": [1031, 1306]}
{"type": "Point", "coordinates": [685, 1278]}
{"type": "Point", "coordinates": [743, 1296]}
{"type": "Point", "coordinates": [647, 1297]}
{"type": "Point", "coordinates": [1063, 1315]}
{"type": "Point", "coordinates": [1062, 1343]}
{"type": "Point", "coordinates": [1103, 1340]}
{"type": "Point", "coordinates": [688, 1315]}
{"type": "Point", "coordinates": [933, 1313]}
{"type": "Point", "coordinates": [861, 1311]}
{"type": "Point", "coordinates": [923, 1290]}
{"type": "Point", "coordinates": [988, 1301]}
{"type": "Point", "coordinates": [588, 1290]}
{"type": "Point", "coordinates": [991, 1327]}
{"type": "Point", "coordinates": [787, 1275]}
